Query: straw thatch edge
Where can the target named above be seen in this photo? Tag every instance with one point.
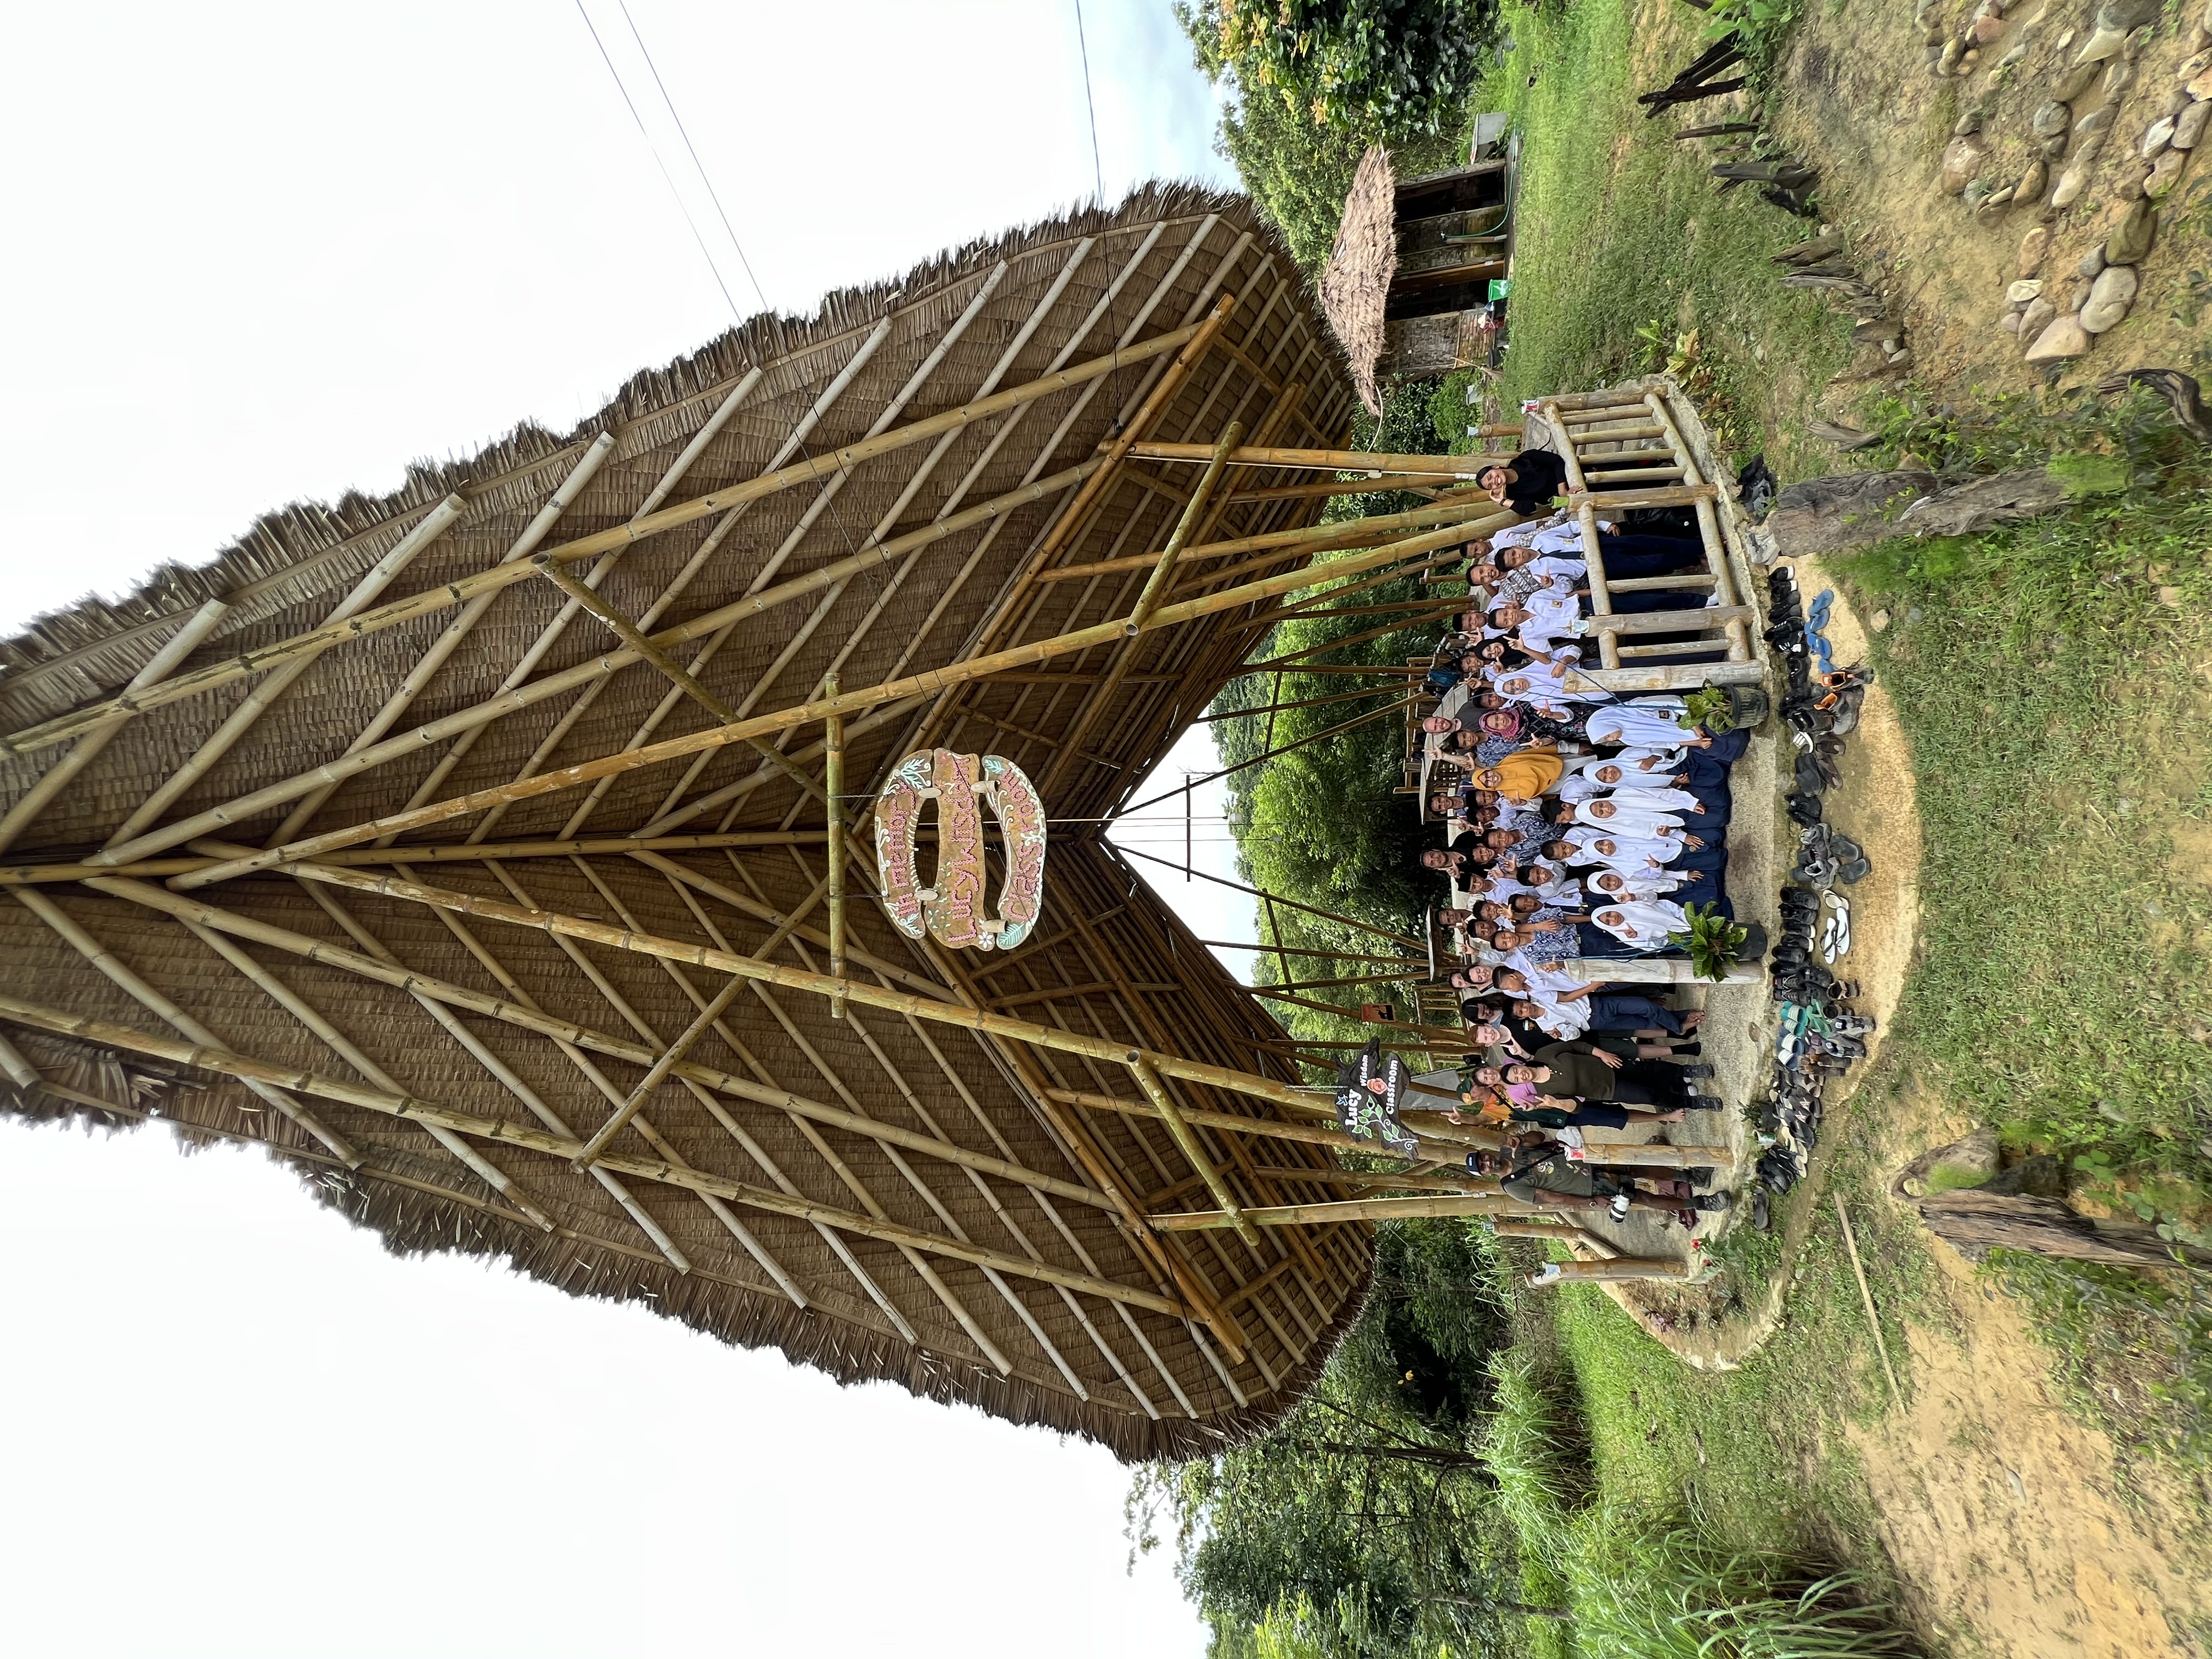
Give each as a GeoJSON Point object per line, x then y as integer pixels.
{"type": "Point", "coordinates": [1355, 285]}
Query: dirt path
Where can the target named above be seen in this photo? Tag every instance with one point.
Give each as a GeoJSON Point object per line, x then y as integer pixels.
{"type": "Point", "coordinates": [1996, 1505]}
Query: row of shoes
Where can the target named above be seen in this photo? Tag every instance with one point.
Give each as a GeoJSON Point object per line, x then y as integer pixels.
{"type": "Point", "coordinates": [1826, 855]}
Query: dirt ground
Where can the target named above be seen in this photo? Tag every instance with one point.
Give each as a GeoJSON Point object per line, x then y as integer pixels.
{"type": "Point", "coordinates": [1855, 97]}
{"type": "Point", "coordinates": [1996, 1507]}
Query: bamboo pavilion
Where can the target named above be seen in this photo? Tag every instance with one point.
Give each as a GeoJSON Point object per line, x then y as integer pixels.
{"type": "Point", "coordinates": [481, 849]}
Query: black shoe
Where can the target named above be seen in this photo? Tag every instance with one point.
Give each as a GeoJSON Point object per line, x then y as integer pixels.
{"type": "Point", "coordinates": [1700, 1176]}
{"type": "Point", "coordinates": [1711, 1203]}
{"type": "Point", "coordinates": [1707, 1104]}
{"type": "Point", "coordinates": [1697, 1071]}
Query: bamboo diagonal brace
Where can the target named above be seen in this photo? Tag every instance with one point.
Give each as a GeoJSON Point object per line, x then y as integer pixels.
{"type": "Point", "coordinates": [1156, 586]}
{"type": "Point", "coordinates": [1187, 1141]}
{"type": "Point", "coordinates": [929, 682]}
{"type": "Point", "coordinates": [564, 1147]}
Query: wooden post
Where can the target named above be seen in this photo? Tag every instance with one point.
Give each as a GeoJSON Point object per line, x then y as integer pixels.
{"type": "Point", "coordinates": [1156, 586]}
{"type": "Point", "coordinates": [832, 768]}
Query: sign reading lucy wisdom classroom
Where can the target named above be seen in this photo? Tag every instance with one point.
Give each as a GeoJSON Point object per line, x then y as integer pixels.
{"type": "Point", "coordinates": [955, 910]}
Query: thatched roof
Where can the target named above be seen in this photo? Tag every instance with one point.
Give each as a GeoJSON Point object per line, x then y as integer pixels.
{"type": "Point", "coordinates": [1355, 284]}
{"type": "Point", "coordinates": [885, 1196]}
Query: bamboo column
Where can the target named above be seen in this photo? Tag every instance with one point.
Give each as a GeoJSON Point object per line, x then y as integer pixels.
{"type": "Point", "coordinates": [833, 769]}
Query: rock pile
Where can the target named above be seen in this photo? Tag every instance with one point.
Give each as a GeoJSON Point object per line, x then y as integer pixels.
{"type": "Point", "coordinates": [2057, 321]}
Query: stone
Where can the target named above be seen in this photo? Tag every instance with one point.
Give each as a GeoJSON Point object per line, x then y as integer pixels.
{"type": "Point", "coordinates": [2193, 66]}
{"type": "Point", "coordinates": [2159, 135]}
{"type": "Point", "coordinates": [2095, 124]}
{"type": "Point", "coordinates": [2065, 339]}
{"type": "Point", "coordinates": [1962, 159]}
{"type": "Point", "coordinates": [2109, 300]}
{"type": "Point", "coordinates": [1948, 62]}
{"type": "Point", "coordinates": [2033, 245]}
{"type": "Point", "coordinates": [2009, 322]}
{"type": "Point", "coordinates": [1993, 207]}
{"type": "Point", "coordinates": [2075, 82]}
{"type": "Point", "coordinates": [2190, 127]}
{"type": "Point", "coordinates": [2091, 262]}
{"type": "Point", "coordinates": [2128, 187]}
{"type": "Point", "coordinates": [2132, 47]}
{"type": "Point", "coordinates": [1878, 622]}
{"type": "Point", "coordinates": [2177, 102]}
{"type": "Point", "coordinates": [1987, 29]}
{"type": "Point", "coordinates": [1973, 119]}
{"type": "Point", "coordinates": [2074, 180]}
{"type": "Point", "coordinates": [1968, 58]}
{"type": "Point", "coordinates": [2119, 76]}
{"type": "Point", "coordinates": [1975, 194]}
{"type": "Point", "coordinates": [2131, 238]}
{"type": "Point", "coordinates": [2201, 87]}
{"type": "Point", "coordinates": [2023, 290]}
{"type": "Point", "coordinates": [2033, 182]}
{"type": "Point", "coordinates": [2165, 173]}
{"type": "Point", "coordinates": [2051, 119]}
{"type": "Point", "coordinates": [2053, 149]}
{"type": "Point", "coordinates": [2103, 43]}
{"type": "Point", "coordinates": [1901, 359]}
{"type": "Point", "coordinates": [2036, 318]}
{"type": "Point", "coordinates": [2076, 295]}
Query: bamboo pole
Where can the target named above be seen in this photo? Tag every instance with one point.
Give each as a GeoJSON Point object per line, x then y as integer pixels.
{"type": "Point", "coordinates": [833, 760]}
{"type": "Point", "coordinates": [180, 645]}
{"type": "Point", "coordinates": [285, 998]}
{"type": "Point", "coordinates": [1412, 968]}
{"type": "Point", "coordinates": [167, 1011]}
{"type": "Point", "coordinates": [1380, 484]}
{"type": "Point", "coordinates": [1336, 460]}
{"type": "Point", "coordinates": [348, 614]}
{"type": "Point", "coordinates": [1325, 536]}
{"type": "Point", "coordinates": [930, 682]}
{"type": "Point", "coordinates": [818, 467]}
{"type": "Point", "coordinates": [1866, 1300]}
{"type": "Point", "coordinates": [669, 1059]}
{"type": "Point", "coordinates": [212, 1057]}
{"type": "Point", "coordinates": [1155, 585]}
{"type": "Point", "coordinates": [418, 677]}
{"type": "Point", "coordinates": [1308, 1134]}
{"type": "Point", "coordinates": [627, 632]}
{"type": "Point", "coordinates": [1329, 731]}
{"type": "Point", "coordinates": [1187, 1143]}
{"type": "Point", "coordinates": [1348, 1209]}
{"type": "Point", "coordinates": [1280, 708]}
{"type": "Point", "coordinates": [1626, 1269]}
{"type": "Point", "coordinates": [31, 875]}
{"type": "Point", "coordinates": [514, 1013]}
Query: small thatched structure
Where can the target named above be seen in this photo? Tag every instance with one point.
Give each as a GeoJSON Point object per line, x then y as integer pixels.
{"type": "Point", "coordinates": [531, 879]}
{"type": "Point", "coordinates": [1355, 284]}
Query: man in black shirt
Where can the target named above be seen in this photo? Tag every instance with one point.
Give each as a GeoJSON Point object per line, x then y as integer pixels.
{"type": "Point", "coordinates": [1526, 483]}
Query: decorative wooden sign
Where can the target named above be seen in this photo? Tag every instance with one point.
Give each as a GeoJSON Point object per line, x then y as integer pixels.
{"type": "Point", "coordinates": [953, 909]}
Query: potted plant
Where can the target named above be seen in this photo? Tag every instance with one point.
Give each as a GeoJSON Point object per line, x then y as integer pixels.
{"type": "Point", "coordinates": [1719, 709]}
{"type": "Point", "coordinates": [1715, 943]}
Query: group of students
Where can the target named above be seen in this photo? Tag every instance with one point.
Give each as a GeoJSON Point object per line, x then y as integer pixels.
{"type": "Point", "coordinates": [1577, 825]}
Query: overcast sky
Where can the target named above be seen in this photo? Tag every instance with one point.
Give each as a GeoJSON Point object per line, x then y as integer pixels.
{"type": "Point", "coordinates": [263, 253]}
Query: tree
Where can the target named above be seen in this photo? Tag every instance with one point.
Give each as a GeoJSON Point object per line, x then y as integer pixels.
{"type": "Point", "coordinates": [1297, 169]}
{"type": "Point", "coordinates": [1380, 67]}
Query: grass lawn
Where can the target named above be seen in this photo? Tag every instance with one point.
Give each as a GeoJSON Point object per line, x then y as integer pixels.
{"type": "Point", "coordinates": [1624, 245]}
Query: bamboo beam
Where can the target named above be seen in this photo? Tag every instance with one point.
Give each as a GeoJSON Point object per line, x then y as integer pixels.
{"type": "Point", "coordinates": [1155, 585]}
{"type": "Point", "coordinates": [48, 733]}
{"type": "Point", "coordinates": [511, 1013]}
{"type": "Point", "coordinates": [209, 1057]}
{"type": "Point", "coordinates": [31, 875]}
{"type": "Point", "coordinates": [1413, 969]}
{"type": "Point", "coordinates": [347, 615]}
{"type": "Point", "coordinates": [627, 632]}
{"type": "Point", "coordinates": [167, 1011]}
{"type": "Point", "coordinates": [1325, 536]}
{"type": "Point", "coordinates": [670, 1058]}
{"type": "Point", "coordinates": [832, 763]}
{"type": "Point", "coordinates": [1350, 1209]}
{"type": "Point", "coordinates": [1336, 460]}
{"type": "Point", "coordinates": [1311, 1134]}
{"type": "Point", "coordinates": [1380, 484]}
{"type": "Point", "coordinates": [807, 713]}
{"type": "Point", "coordinates": [418, 677]}
{"type": "Point", "coordinates": [1275, 708]}
{"type": "Point", "coordinates": [180, 645]}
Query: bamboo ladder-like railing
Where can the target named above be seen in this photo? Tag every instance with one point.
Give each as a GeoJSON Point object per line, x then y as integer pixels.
{"type": "Point", "coordinates": [1624, 450]}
